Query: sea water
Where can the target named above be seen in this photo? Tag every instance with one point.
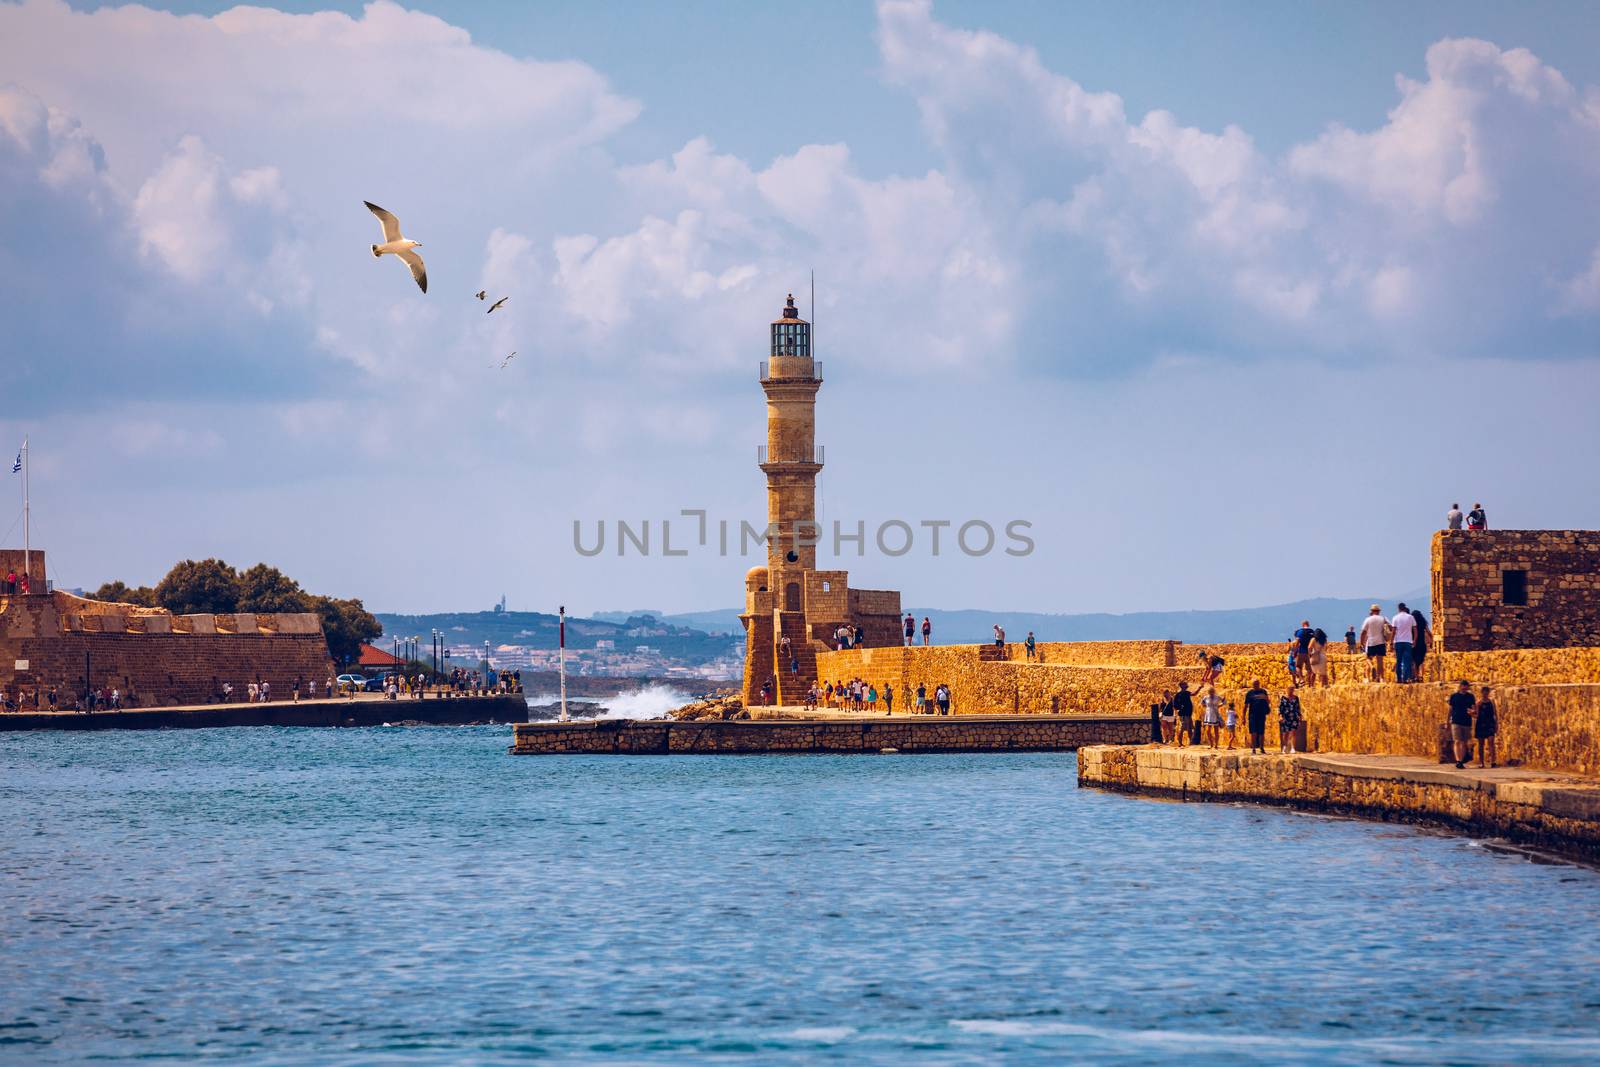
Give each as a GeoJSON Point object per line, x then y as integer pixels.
{"type": "Point", "coordinates": [378, 896]}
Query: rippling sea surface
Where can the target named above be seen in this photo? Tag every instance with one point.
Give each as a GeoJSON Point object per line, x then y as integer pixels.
{"type": "Point", "coordinates": [276, 896]}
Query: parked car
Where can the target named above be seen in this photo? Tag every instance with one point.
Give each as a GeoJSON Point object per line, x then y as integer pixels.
{"type": "Point", "coordinates": [352, 681]}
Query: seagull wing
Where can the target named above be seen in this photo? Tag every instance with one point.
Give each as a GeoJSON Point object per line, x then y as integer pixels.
{"type": "Point", "coordinates": [391, 225]}
{"type": "Point", "coordinates": [481, 293]}
{"type": "Point", "coordinates": [496, 305]}
{"type": "Point", "coordinates": [418, 271]}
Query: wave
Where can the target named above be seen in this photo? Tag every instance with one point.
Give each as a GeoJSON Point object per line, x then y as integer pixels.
{"type": "Point", "coordinates": [648, 702]}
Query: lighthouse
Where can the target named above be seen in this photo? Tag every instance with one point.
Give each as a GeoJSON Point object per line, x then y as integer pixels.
{"type": "Point", "coordinates": [789, 597]}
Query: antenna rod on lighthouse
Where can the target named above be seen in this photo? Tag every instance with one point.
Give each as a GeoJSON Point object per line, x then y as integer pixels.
{"type": "Point", "coordinates": [813, 313]}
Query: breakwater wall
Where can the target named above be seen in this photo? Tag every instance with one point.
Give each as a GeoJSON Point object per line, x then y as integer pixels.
{"type": "Point", "coordinates": [1557, 812]}
{"type": "Point", "coordinates": [967, 733]}
{"type": "Point", "coordinates": [448, 712]}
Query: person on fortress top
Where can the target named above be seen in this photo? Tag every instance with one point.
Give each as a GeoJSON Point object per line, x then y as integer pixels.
{"type": "Point", "coordinates": [1294, 664]}
{"type": "Point", "coordinates": [1256, 710]}
{"type": "Point", "coordinates": [1374, 640]}
{"type": "Point", "coordinates": [1485, 727]}
{"type": "Point", "coordinates": [1350, 639]}
{"type": "Point", "coordinates": [1030, 645]}
{"type": "Point", "coordinates": [11, 580]}
{"type": "Point", "coordinates": [1453, 518]}
{"type": "Point", "coordinates": [1419, 647]}
{"type": "Point", "coordinates": [1477, 519]}
{"type": "Point", "coordinates": [1461, 705]}
{"type": "Point", "coordinates": [911, 629]}
{"type": "Point", "coordinates": [1404, 627]}
{"type": "Point", "coordinates": [927, 630]}
{"type": "Point", "coordinates": [1212, 664]}
{"type": "Point", "coordinates": [999, 636]}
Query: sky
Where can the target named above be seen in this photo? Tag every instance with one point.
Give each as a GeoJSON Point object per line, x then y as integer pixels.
{"type": "Point", "coordinates": [1227, 302]}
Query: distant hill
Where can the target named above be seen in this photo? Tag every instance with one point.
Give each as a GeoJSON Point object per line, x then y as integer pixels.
{"type": "Point", "coordinates": [974, 626]}
{"type": "Point", "coordinates": [532, 629]}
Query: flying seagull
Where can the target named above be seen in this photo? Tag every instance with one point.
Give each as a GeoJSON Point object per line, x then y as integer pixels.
{"type": "Point", "coordinates": [496, 305]}
{"type": "Point", "coordinates": [398, 245]}
{"type": "Point", "coordinates": [481, 293]}
{"type": "Point", "coordinates": [508, 359]}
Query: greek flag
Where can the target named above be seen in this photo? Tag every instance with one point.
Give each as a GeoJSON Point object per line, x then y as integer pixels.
{"type": "Point", "coordinates": [16, 468]}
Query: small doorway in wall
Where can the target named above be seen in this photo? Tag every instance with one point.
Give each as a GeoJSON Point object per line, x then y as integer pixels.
{"type": "Point", "coordinates": [791, 597]}
{"type": "Point", "coordinates": [1514, 587]}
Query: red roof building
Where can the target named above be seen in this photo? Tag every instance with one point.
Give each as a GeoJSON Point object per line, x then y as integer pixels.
{"type": "Point", "coordinates": [378, 660]}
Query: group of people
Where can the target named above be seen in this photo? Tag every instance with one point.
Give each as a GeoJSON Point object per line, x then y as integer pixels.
{"type": "Point", "coordinates": [909, 625]}
{"type": "Point", "coordinates": [1476, 519]}
{"type": "Point", "coordinates": [1474, 718]}
{"type": "Point", "coordinates": [859, 695]}
{"type": "Point", "coordinates": [1408, 631]}
{"type": "Point", "coordinates": [845, 635]}
{"type": "Point", "coordinates": [14, 584]}
{"type": "Point", "coordinates": [1174, 720]}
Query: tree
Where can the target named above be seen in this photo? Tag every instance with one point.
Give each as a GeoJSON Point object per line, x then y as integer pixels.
{"type": "Point", "coordinates": [267, 589]}
{"type": "Point", "coordinates": [206, 587]}
{"type": "Point", "coordinates": [118, 592]}
{"type": "Point", "coordinates": [346, 624]}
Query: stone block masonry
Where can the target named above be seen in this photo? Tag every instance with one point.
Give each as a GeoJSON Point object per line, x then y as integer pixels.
{"type": "Point", "coordinates": [456, 711]}
{"type": "Point", "coordinates": [622, 737]}
{"type": "Point", "coordinates": [62, 641]}
{"type": "Point", "coordinates": [1516, 589]}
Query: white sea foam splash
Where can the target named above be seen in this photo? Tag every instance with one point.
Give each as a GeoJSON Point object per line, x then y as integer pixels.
{"type": "Point", "coordinates": [649, 702]}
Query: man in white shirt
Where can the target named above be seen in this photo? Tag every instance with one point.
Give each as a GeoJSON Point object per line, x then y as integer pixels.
{"type": "Point", "coordinates": [1405, 634]}
{"type": "Point", "coordinates": [1453, 518]}
{"type": "Point", "coordinates": [1373, 640]}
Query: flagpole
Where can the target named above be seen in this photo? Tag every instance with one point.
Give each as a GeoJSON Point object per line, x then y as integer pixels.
{"type": "Point", "coordinates": [563, 662]}
{"type": "Point", "coordinates": [27, 536]}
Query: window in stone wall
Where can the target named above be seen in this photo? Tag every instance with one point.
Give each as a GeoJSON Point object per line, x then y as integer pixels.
{"type": "Point", "coordinates": [1514, 587]}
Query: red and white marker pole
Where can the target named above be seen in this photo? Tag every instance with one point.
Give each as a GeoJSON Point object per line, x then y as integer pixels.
{"type": "Point", "coordinates": [563, 661]}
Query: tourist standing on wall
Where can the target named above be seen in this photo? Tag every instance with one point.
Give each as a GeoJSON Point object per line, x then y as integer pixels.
{"type": "Point", "coordinates": [1477, 519]}
{"type": "Point", "coordinates": [999, 636]}
{"type": "Point", "coordinates": [1461, 705]}
{"type": "Point", "coordinates": [1212, 721]}
{"type": "Point", "coordinates": [922, 697]}
{"type": "Point", "coordinates": [1350, 639]}
{"type": "Point", "coordinates": [1453, 517]}
{"type": "Point", "coordinates": [1256, 710]}
{"type": "Point", "coordinates": [1373, 639]}
{"type": "Point", "coordinates": [1405, 635]}
{"type": "Point", "coordinates": [888, 698]}
{"type": "Point", "coordinates": [927, 630]}
{"type": "Point", "coordinates": [1288, 719]}
{"type": "Point", "coordinates": [1031, 647]}
{"type": "Point", "coordinates": [1293, 663]}
{"type": "Point", "coordinates": [911, 628]}
{"type": "Point", "coordinates": [1169, 717]}
{"type": "Point", "coordinates": [1419, 649]}
{"type": "Point", "coordinates": [1302, 648]}
{"type": "Point", "coordinates": [1319, 657]}
{"type": "Point", "coordinates": [941, 696]}
{"type": "Point", "coordinates": [1230, 724]}
{"type": "Point", "coordinates": [1183, 704]}
{"type": "Point", "coordinates": [1212, 665]}
{"type": "Point", "coordinates": [1485, 728]}
{"type": "Point", "coordinates": [1155, 722]}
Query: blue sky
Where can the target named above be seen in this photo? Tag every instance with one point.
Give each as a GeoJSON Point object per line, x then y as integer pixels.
{"type": "Point", "coordinates": [1229, 301]}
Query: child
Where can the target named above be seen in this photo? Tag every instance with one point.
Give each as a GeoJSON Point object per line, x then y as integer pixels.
{"type": "Point", "coordinates": [1232, 724]}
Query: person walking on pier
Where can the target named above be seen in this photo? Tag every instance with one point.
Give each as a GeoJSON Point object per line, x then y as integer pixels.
{"type": "Point", "coordinates": [1484, 728]}
{"type": "Point", "coordinates": [1461, 705]}
{"type": "Point", "coordinates": [1374, 640]}
{"type": "Point", "coordinates": [1183, 704]}
{"type": "Point", "coordinates": [1289, 719]}
{"type": "Point", "coordinates": [1211, 723]}
{"type": "Point", "coordinates": [927, 630]}
{"type": "Point", "coordinates": [941, 696]}
{"type": "Point", "coordinates": [888, 698]}
{"type": "Point", "coordinates": [922, 697]}
{"type": "Point", "coordinates": [1169, 717]}
{"type": "Point", "coordinates": [1231, 725]}
{"type": "Point", "coordinates": [1256, 710]}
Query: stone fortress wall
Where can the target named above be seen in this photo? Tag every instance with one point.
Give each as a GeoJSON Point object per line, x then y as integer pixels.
{"type": "Point", "coordinates": [57, 639]}
{"type": "Point", "coordinates": [1516, 588]}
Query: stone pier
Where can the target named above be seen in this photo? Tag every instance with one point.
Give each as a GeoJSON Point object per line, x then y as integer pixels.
{"type": "Point", "coordinates": [1537, 808]}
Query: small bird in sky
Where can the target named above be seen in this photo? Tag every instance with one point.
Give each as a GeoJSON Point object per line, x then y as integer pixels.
{"type": "Point", "coordinates": [508, 359]}
{"type": "Point", "coordinates": [481, 293]}
{"type": "Point", "coordinates": [396, 245]}
{"type": "Point", "coordinates": [496, 305]}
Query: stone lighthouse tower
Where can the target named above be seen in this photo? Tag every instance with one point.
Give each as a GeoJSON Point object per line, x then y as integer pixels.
{"type": "Point", "coordinates": [789, 598]}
